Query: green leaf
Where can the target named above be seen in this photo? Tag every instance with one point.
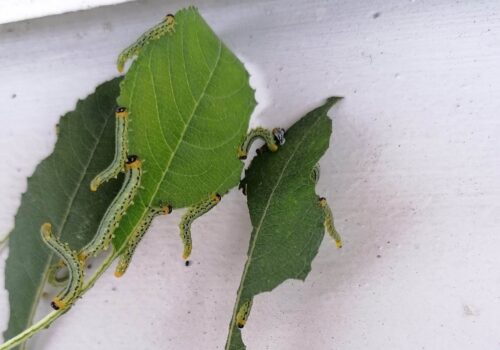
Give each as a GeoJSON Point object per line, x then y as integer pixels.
{"type": "Point", "coordinates": [190, 103]}
{"type": "Point", "coordinates": [285, 212]}
{"type": "Point", "coordinates": [59, 192]}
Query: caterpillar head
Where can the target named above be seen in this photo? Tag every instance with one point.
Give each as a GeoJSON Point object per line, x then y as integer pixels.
{"type": "Point", "coordinates": [167, 209]}
{"type": "Point", "coordinates": [121, 112]}
{"type": "Point", "coordinates": [216, 198]}
{"type": "Point", "coordinates": [133, 162]}
{"type": "Point", "coordinates": [169, 19]}
{"type": "Point", "coordinates": [279, 136]}
{"type": "Point", "coordinates": [46, 230]}
{"type": "Point", "coordinates": [322, 202]}
{"type": "Point", "coordinates": [57, 304]}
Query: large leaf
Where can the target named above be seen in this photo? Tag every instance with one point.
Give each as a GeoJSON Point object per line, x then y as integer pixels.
{"type": "Point", "coordinates": [59, 192]}
{"type": "Point", "coordinates": [190, 103]}
{"type": "Point", "coordinates": [285, 212]}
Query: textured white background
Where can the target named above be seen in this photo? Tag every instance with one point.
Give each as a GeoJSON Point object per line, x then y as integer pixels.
{"type": "Point", "coordinates": [19, 10]}
{"type": "Point", "coordinates": [413, 175]}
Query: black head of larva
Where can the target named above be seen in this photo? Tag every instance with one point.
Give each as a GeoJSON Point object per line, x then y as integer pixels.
{"type": "Point", "coordinates": [132, 158]}
{"type": "Point", "coordinates": [218, 197]}
{"type": "Point", "coordinates": [54, 306]}
{"type": "Point", "coordinates": [186, 263]}
{"type": "Point", "coordinates": [279, 136]}
{"type": "Point", "coordinates": [120, 109]}
{"type": "Point", "coordinates": [241, 325]}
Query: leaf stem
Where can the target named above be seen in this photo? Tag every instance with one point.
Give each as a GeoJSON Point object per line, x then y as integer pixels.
{"type": "Point", "coordinates": [54, 315]}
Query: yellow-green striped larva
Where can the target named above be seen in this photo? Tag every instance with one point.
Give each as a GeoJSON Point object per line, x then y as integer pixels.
{"type": "Point", "coordinates": [165, 26]}
{"type": "Point", "coordinates": [243, 313]}
{"type": "Point", "coordinates": [112, 171]}
{"type": "Point", "coordinates": [114, 213]}
{"type": "Point", "coordinates": [75, 268]}
{"type": "Point", "coordinates": [329, 225]}
{"type": "Point", "coordinates": [187, 219]}
{"type": "Point", "coordinates": [136, 237]}
{"type": "Point", "coordinates": [273, 139]}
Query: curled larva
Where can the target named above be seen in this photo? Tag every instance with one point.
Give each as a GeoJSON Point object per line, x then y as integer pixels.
{"type": "Point", "coordinates": [114, 213]}
{"type": "Point", "coordinates": [315, 173]}
{"type": "Point", "coordinates": [120, 158]}
{"type": "Point", "coordinates": [273, 139]}
{"type": "Point", "coordinates": [75, 268]}
{"type": "Point", "coordinates": [330, 227]}
{"type": "Point", "coordinates": [191, 214]}
{"type": "Point", "coordinates": [243, 313]}
{"type": "Point", "coordinates": [135, 238]}
{"type": "Point", "coordinates": [165, 26]}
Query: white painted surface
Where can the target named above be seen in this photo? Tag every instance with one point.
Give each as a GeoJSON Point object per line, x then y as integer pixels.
{"type": "Point", "coordinates": [20, 10]}
{"type": "Point", "coordinates": [413, 174]}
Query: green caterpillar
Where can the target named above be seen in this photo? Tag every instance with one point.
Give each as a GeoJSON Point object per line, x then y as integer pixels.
{"type": "Point", "coordinates": [243, 313]}
{"type": "Point", "coordinates": [188, 218]}
{"type": "Point", "coordinates": [165, 26]}
{"type": "Point", "coordinates": [116, 210]}
{"type": "Point", "coordinates": [273, 139]}
{"type": "Point", "coordinates": [330, 228]}
{"type": "Point", "coordinates": [75, 268]}
{"type": "Point", "coordinates": [116, 166]}
{"type": "Point", "coordinates": [315, 173]}
{"type": "Point", "coordinates": [327, 211]}
{"type": "Point", "coordinates": [136, 237]}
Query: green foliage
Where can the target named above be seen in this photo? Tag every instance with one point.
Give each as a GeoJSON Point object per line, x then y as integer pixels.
{"type": "Point", "coordinates": [190, 103]}
{"type": "Point", "coordinates": [58, 192]}
{"type": "Point", "coordinates": [285, 212]}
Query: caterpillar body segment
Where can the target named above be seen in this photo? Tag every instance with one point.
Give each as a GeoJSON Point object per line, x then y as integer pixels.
{"type": "Point", "coordinates": [135, 238]}
{"type": "Point", "coordinates": [115, 212]}
{"type": "Point", "coordinates": [192, 214]}
{"type": "Point", "coordinates": [164, 27]}
{"type": "Point", "coordinates": [70, 258]}
{"type": "Point", "coordinates": [273, 139]}
{"type": "Point", "coordinates": [243, 313]}
{"type": "Point", "coordinates": [329, 225]}
{"type": "Point", "coordinates": [121, 136]}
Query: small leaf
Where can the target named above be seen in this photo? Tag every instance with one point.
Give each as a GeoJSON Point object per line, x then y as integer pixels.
{"type": "Point", "coordinates": [285, 213]}
{"type": "Point", "coordinates": [59, 193]}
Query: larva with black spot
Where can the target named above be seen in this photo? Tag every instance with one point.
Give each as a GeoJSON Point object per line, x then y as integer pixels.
{"type": "Point", "coordinates": [76, 273]}
{"type": "Point", "coordinates": [273, 139]}
{"type": "Point", "coordinates": [329, 225]}
{"type": "Point", "coordinates": [191, 214]}
{"type": "Point", "coordinates": [115, 212]}
{"type": "Point", "coordinates": [165, 26]}
{"type": "Point", "coordinates": [112, 171]}
{"type": "Point", "coordinates": [135, 238]}
{"type": "Point", "coordinates": [243, 313]}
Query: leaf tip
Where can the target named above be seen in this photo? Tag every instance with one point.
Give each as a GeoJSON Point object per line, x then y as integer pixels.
{"type": "Point", "coordinates": [330, 101]}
